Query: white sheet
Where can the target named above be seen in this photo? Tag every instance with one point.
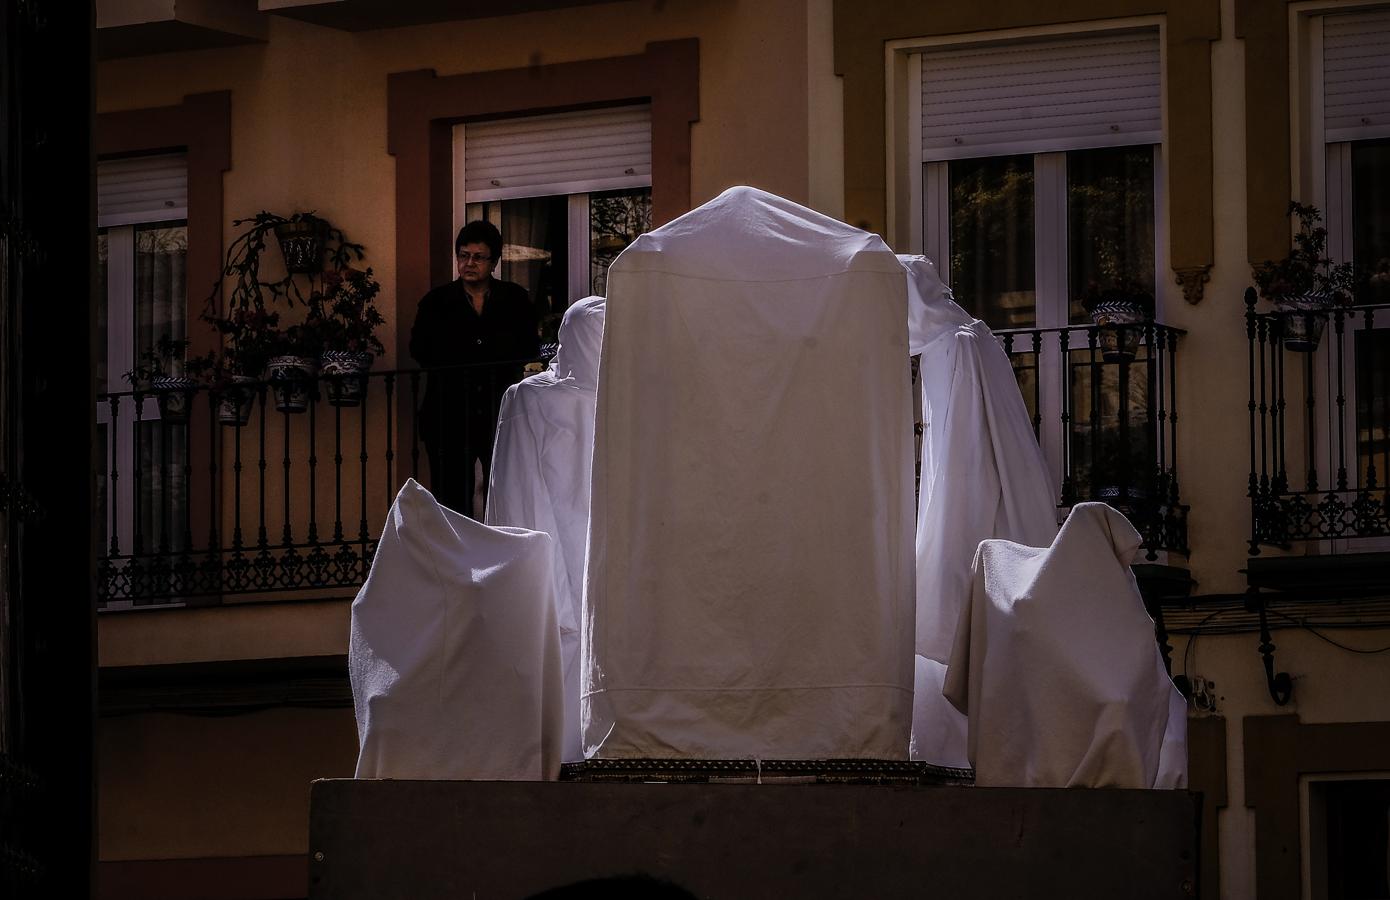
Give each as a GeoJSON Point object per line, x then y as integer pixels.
{"type": "Point", "coordinates": [540, 475]}
{"type": "Point", "coordinates": [983, 474]}
{"type": "Point", "coordinates": [1057, 668]}
{"type": "Point", "coordinates": [749, 581]}
{"type": "Point", "coordinates": [454, 654]}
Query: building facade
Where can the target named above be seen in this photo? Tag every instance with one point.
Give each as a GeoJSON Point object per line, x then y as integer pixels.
{"type": "Point", "coordinates": [1038, 152]}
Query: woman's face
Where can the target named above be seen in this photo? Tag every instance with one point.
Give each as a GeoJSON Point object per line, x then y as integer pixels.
{"type": "Point", "coordinates": [474, 263]}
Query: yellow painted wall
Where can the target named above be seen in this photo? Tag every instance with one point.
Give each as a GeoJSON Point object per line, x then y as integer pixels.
{"type": "Point", "coordinates": [1330, 685]}
{"type": "Point", "coordinates": [179, 787]}
{"type": "Point", "coordinates": [222, 633]}
{"type": "Point", "coordinates": [309, 106]}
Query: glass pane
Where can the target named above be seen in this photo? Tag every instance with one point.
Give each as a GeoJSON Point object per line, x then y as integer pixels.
{"type": "Point", "coordinates": [1370, 218]}
{"type": "Point", "coordinates": [1373, 403]}
{"type": "Point", "coordinates": [101, 303]}
{"type": "Point", "coordinates": [992, 239]}
{"type": "Point", "coordinates": [616, 218]}
{"type": "Point", "coordinates": [163, 494]}
{"type": "Point", "coordinates": [1110, 222]}
{"type": "Point", "coordinates": [535, 246]}
{"type": "Point", "coordinates": [160, 302]}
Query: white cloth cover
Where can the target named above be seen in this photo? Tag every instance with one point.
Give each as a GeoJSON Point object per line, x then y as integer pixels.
{"type": "Point", "coordinates": [540, 475]}
{"type": "Point", "coordinates": [1057, 668]}
{"type": "Point", "coordinates": [983, 474]}
{"type": "Point", "coordinates": [939, 731]}
{"type": "Point", "coordinates": [749, 581]}
{"type": "Point", "coordinates": [454, 654]}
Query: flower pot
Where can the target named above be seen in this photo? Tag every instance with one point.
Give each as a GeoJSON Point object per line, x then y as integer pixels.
{"type": "Point", "coordinates": [1303, 318]}
{"type": "Point", "coordinates": [301, 243]}
{"type": "Point", "coordinates": [234, 406]}
{"type": "Point", "coordinates": [344, 373]}
{"type": "Point", "coordinates": [175, 395]}
{"type": "Point", "coordinates": [1121, 322]}
{"type": "Point", "coordinates": [292, 379]}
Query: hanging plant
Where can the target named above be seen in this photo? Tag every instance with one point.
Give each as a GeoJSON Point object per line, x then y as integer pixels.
{"type": "Point", "coordinates": [1305, 284]}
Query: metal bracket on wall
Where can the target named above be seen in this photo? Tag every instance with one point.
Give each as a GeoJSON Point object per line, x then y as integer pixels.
{"type": "Point", "coordinates": [1279, 683]}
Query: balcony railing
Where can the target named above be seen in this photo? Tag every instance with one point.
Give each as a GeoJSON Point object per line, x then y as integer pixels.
{"type": "Point", "coordinates": [1104, 410]}
{"type": "Point", "coordinates": [219, 495]}
{"type": "Point", "coordinates": [211, 493]}
{"type": "Point", "coordinates": [1319, 427]}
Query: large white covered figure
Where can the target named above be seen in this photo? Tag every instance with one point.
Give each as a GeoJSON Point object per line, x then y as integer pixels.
{"type": "Point", "coordinates": [540, 474]}
{"type": "Point", "coordinates": [454, 654]}
{"type": "Point", "coordinates": [983, 476]}
{"type": "Point", "coordinates": [1056, 666]}
{"type": "Point", "coordinates": [749, 584]}
{"type": "Point", "coordinates": [983, 473]}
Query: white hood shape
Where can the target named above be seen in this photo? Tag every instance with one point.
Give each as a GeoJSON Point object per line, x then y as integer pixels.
{"type": "Point", "coordinates": [983, 473]}
{"type": "Point", "coordinates": [540, 474]}
{"type": "Point", "coordinates": [453, 655]}
{"type": "Point", "coordinates": [1056, 666]}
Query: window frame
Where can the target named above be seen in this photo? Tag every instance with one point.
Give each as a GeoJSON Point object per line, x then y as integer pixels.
{"type": "Point", "coordinates": [922, 226]}
{"type": "Point", "coordinates": [1322, 172]}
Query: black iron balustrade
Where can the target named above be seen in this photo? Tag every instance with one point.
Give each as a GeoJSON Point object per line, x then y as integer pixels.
{"type": "Point", "coordinates": [224, 490]}
{"type": "Point", "coordinates": [1108, 420]}
{"type": "Point", "coordinates": [1322, 476]}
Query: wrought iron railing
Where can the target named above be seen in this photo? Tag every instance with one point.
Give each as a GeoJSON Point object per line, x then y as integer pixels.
{"type": "Point", "coordinates": [233, 490]}
{"type": "Point", "coordinates": [1319, 425]}
{"type": "Point", "coordinates": [219, 493]}
{"type": "Point", "coordinates": [1103, 401]}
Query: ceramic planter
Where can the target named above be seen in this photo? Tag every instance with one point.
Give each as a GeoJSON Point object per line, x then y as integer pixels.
{"type": "Point", "coordinates": [1121, 322]}
{"type": "Point", "coordinates": [301, 243]}
{"type": "Point", "coordinates": [344, 373]}
{"type": "Point", "coordinates": [292, 379]}
{"type": "Point", "coordinates": [175, 396]}
{"type": "Point", "coordinates": [234, 406]}
{"type": "Point", "coordinates": [1303, 318]}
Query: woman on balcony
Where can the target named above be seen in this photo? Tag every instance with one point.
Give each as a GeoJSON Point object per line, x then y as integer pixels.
{"type": "Point", "coordinates": [479, 330]}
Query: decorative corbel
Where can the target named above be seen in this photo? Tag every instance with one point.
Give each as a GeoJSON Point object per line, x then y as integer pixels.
{"type": "Point", "coordinates": [1192, 280]}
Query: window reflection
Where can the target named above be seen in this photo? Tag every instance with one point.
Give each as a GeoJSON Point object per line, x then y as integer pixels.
{"type": "Point", "coordinates": [1110, 223]}
{"type": "Point", "coordinates": [535, 248]}
{"type": "Point", "coordinates": [1370, 219]}
{"type": "Point", "coordinates": [992, 270]}
{"type": "Point", "coordinates": [616, 218]}
{"type": "Point", "coordinates": [160, 302]}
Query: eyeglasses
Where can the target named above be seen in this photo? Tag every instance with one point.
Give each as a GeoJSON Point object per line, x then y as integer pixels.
{"type": "Point", "coordinates": [474, 257]}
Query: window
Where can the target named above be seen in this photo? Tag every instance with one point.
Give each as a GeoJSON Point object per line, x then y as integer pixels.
{"type": "Point", "coordinates": [142, 248]}
{"type": "Point", "coordinates": [568, 191]}
{"type": "Point", "coordinates": [1350, 124]}
{"type": "Point", "coordinates": [1349, 830]}
{"type": "Point", "coordinates": [1040, 165]}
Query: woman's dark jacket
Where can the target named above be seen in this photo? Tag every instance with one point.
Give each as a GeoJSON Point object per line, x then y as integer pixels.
{"type": "Point", "coordinates": [447, 332]}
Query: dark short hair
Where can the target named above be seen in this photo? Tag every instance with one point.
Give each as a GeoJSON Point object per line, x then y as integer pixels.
{"type": "Point", "coordinates": [480, 231]}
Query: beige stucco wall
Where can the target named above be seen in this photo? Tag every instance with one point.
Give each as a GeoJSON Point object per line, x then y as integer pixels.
{"type": "Point", "coordinates": [180, 787]}
{"type": "Point", "coordinates": [309, 132]}
{"type": "Point", "coordinates": [1330, 685]}
{"type": "Point", "coordinates": [309, 106]}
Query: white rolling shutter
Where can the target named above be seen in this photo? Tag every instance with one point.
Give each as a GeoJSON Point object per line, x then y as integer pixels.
{"type": "Point", "coordinates": [1093, 90]}
{"type": "Point", "coordinates": [142, 189]}
{"type": "Point", "coordinates": [561, 153]}
{"type": "Point", "coordinates": [1356, 76]}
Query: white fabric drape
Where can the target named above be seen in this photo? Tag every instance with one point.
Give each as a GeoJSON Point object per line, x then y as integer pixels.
{"type": "Point", "coordinates": [454, 653]}
{"type": "Point", "coordinates": [983, 474]}
{"type": "Point", "coordinates": [1056, 666]}
{"type": "Point", "coordinates": [540, 475]}
{"type": "Point", "coordinates": [749, 579]}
